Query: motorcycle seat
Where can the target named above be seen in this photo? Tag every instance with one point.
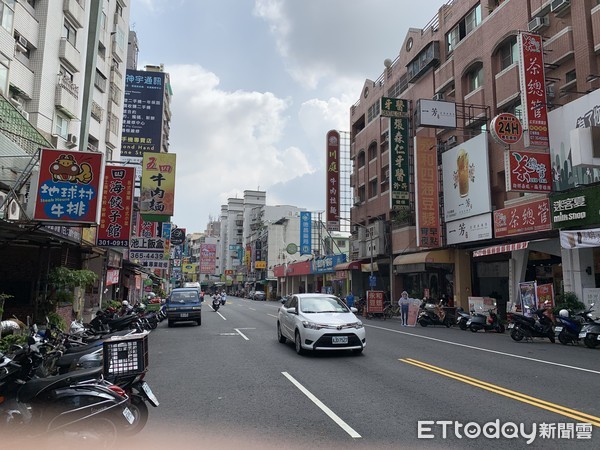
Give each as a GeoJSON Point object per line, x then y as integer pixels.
{"type": "Point", "coordinates": [35, 387]}
{"type": "Point", "coordinates": [523, 318]}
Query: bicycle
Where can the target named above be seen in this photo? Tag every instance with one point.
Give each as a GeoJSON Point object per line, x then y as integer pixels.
{"type": "Point", "coordinates": [391, 311]}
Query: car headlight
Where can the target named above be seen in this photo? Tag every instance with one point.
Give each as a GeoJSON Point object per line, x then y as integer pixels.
{"type": "Point", "coordinates": [312, 325]}
{"type": "Point", "coordinates": [358, 325]}
{"type": "Point", "coordinates": [196, 307]}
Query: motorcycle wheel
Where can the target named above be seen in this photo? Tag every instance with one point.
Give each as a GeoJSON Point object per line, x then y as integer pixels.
{"type": "Point", "coordinates": [551, 336]}
{"type": "Point", "coordinates": [473, 329]}
{"type": "Point", "coordinates": [516, 334]}
{"type": "Point", "coordinates": [563, 338]}
{"type": "Point", "coordinates": [139, 409]}
{"type": "Point", "coordinates": [462, 325]}
{"type": "Point", "coordinates": [591, 341]}
{"type": "Point", "coordinates": [100, 432]}
{"type": "Point", "coordinates": [501, 328]}
{"type": "Point", "coordinates": [423, 323]}
{"type": "Point", "coordinates": [447, 323]}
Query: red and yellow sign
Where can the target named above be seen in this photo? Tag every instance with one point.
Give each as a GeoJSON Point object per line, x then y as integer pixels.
{"type": "Point", "coordinates": [528, 171]}
{"type": "Point", "coordinates": [157, 196]}
{"type": "Point", "coordinates": [533, 90]}
{"type": "Point", "coordinates": [116, 211]}
{"type": "Point", "coordinates": [426, 193]}
{"type": "Point", "coordinates": [260, 264]}
{"type": "Point", "coordinates": [545, 293]}
{"type": "Point", "coordinates": [522, 219]}
{"type": "Point", "coordinates": [68, 186]}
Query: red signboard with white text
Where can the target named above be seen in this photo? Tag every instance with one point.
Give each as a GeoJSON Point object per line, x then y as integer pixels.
{"type": "Point", "coordinates": [68, 186]}
{"type": "Point", "coordinates": [522, 219]}
{"type": "Point", "coordinates": [332, 173]}
{"type": "Point", "coordinates": [375, 300]}
{"type": "Point", "coordinates": [429, 230]}
{"type": "Point", "coordinates": [533, 90]}
{"type": "Point", "coordinates": [116, 211]}
{"type": "Point", "coordinates": [528, 171]}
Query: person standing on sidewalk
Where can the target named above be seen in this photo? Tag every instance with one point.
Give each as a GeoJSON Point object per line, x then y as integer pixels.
{"type": "Point", "coordinates": [403, 303]}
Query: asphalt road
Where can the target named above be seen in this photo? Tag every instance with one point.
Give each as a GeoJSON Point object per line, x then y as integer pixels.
{"type": "Point", "coordinates": [230, 384]}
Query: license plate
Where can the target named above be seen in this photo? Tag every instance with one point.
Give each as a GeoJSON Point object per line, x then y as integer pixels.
{"type": "Point", "coordinates": [128, 415]}
{"type": "Point", "coordinates": [150, 394]}
{"type": "Point", "coordinates": [511, 325]}
{"type": "Point", "coordinates": [582, 335]}
{"type": "Point", "coordinates": [339, 339]}
{"type": "Point", "coordinates": [183, 315]}
{"type": "Point", "coordinates": [558, 329]}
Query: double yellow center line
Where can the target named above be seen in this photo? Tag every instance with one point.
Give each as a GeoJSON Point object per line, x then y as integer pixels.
{"type": "Point", "coordinates": [539, 403]}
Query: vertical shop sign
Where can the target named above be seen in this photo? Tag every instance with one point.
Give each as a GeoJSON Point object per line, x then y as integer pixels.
{"type": "Point", "coordinates": [426, 193]}
{"type": "Point", "coordinates": [116, 211]}
{"type": "Point", "coordinates": [332, 173]}
{"type": "Point", "coordinates": [533, 90]}
{"type": "Point", "coordinates": [397, 110]}
{"type": "Point", "coordinates": [68, 186]}
{"type": "Point", "coordinates": [157, 194]}
{"type": "Point", "coordinates": [305, 233]}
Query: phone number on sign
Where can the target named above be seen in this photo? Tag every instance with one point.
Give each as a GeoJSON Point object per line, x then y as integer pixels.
{"type": "Point", "coordinates": [113, 243]}
{"type": "Point", "coordinates": [146, 255]}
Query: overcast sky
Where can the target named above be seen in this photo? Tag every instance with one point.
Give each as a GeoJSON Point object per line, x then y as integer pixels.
{"type": "Point", "coordinates": [258, 83]}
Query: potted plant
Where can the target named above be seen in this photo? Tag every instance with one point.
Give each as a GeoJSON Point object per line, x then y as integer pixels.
{"type": "Point", "coordinates": [67, 286]}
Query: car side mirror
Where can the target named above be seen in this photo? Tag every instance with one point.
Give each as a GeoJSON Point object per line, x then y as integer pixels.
{"type": "Point", "coordinates": [353, 309]}
{"type": "Point", "coordinates": [291, 310]}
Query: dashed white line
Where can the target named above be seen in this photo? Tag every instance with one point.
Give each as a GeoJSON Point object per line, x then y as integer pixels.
{"type": "Point", "coordinates": [241, 334]}
{"type": "Point", "coordinates": [333, 416]}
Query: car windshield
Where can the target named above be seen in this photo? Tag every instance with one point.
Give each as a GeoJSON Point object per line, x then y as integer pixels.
{"type": "Point", "coordinates": [322, 305]}
{"type": "Point", "coordinates": [184, 297]}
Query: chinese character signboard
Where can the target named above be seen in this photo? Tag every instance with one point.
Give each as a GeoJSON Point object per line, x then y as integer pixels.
{"type": "Point", "coordinates": [426, 193]}
{"type": "Point", "coordinates": [145, 228]}
{"type": "Point", "coordinates": [142, 112]}
{"type": "Point", "coordinates": [475, 228]}
{"type": "Point", "coordinates": [580, 238]}
{"type": "Point", "coordinates": [523, 219]}
{"type": "Point", "coordinates": [435, 113]}
{"type": "Point", "coordinates": [112, 276]}
{"type": "Point", "coordinates": [332, 173]}
{"type": "Point", "coordinates": [545, 295]}
{"type": "Point", "coordinates": [148, 250]}
{"type": "Point", "coordinates": [506, 129]}
{"type": "Point", "coordinates": [375, 301]}
{"type": "Point", "coordinates": [528, 171]}
{"type": "Point", "coordinates": [466, 179]}
{"type": "Point", "coordinates": [68, 186]}
{"type": "Point", "coordinates": [305, 233]}
{"type": "Point", "coordinates": [117, 207]}
{"type": "Point", "coordinates": [397, 111]}
{"type": "Point", "coordinates": [157, 194]}
{"type": "Point", "coordinates": [576, 208]}
{"type": "Point", "coordinates": [533, 90]}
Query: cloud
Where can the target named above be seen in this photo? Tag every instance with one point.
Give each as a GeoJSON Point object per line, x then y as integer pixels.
{"type": "Point", "coordinates": [226, 142]}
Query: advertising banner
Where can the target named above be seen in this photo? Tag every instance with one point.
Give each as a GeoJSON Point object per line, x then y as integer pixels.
{"type": "Point", "coordinates": [576, 208]}
{"type": "Point", "coordinates": [375, 300]}
{"type": "Point", "coordinates": [477, 228]}
{"type": "Point", "coordinates": [143, 248]}
{"type": "Point", "coordinates": [332, 174]}
{"type": "Point", "coordinates": [305, 233]}
{"type": "Point", "coordinates": [580, 238]}
{"type": "Point", "coordinates": [157, 195]}
{"type": "Point", "coordinates": [527, 291]}
{"type": "Point", "coordinates": [414, 307]}
{"type": "Point", "coordinates": [398, 112]}
{"type": "Point", "coordinates": [116, 211]}
{"type": "Point", "coordinates": [142, 112]}
{"type": "Point", "coordinates": [522, 219]}
{"type": "Point", "coordinates": [466, 179]}
{"type": "Point", "coordinates": [427, 205]}
{"type": "Point", "coordinates": [189, 268]}
{"type": "Point", "coordinates": [112, 277]}
{"type": "Point", "coordinates": [528, 171]}
{"type": "Point", "coordinates": [533, 90]}
{"type": "Point", "coordinates": [435, 113]}
{"type": "Point", "coordinates": [68, 186]}
{"type": "Point", "coordinates": [145, 228]}
{"type": "Point", "coordinates": [326, 264]}
{"type": "Point", "coordinates": [481, 305]}
{"type": "Point", "coordinates": [545, 293]}
{"type": "Point", "coordinates": [208, 258]}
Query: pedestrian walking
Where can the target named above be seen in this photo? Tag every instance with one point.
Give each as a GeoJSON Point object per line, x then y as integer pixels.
{"type": "Point", "coordinates": [350, 300]}
{"type": "Point", "coordinates": [403, 303]}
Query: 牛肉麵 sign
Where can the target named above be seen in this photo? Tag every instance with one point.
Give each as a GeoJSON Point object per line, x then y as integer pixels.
{"type": "Point", "coordinates": [157, 195]}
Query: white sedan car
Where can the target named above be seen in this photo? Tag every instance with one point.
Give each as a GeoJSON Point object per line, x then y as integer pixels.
{"type": "Point", "coordinates": [320, 322]}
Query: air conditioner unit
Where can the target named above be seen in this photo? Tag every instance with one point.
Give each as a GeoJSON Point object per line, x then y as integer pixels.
{"type": "Point", "coordinates": [559, 7]}
{"type": "Point", "coordinates": [71, 141]}
{"type": "Point", "coordinates": [13, 211]}
{"type": "Point", "coordinates": [537, 23]}
{"type": "Point", "coordinates": [451, 140]}
{"type": "Point", "coordinates": [356, 201]}
{"type": "Point", "coordinates": [438, 97]}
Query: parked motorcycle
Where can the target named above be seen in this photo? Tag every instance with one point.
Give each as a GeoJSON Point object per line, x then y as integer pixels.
{"type": "Point", "coordinates": [538, 325]}
{"type": "Point", "coordinates": [590, 332]}
{"type": "Point", "coordinates": [480, 321]}
{"type": "Point", "coordinates": [432, 314]}
{"type": "Point", "coordinates": [216, 303]}
{"type": "Point", "coordinates": [462, 318]}
{"type": "Point", "coordinates": [569, 326]}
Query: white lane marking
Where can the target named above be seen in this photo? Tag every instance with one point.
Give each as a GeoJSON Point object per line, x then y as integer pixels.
{"type": "Point", "coordinates": [333, 416]}
{"type": "Point", "coordinates": [222, 316]}
{"type": "Point", "coordinates": [252, 309]}
{"type": "Point", "coordinates": [241, 334]}
{"type": "Point", "coordinates": [511, 355]}
{"type": "Point", "coordinates": [273, 315]}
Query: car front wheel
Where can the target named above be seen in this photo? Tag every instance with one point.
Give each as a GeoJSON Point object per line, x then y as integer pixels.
{"type": "Point", "coordinates": [298, 342]}
{"type": "Point", "coordinates": [280, 337]}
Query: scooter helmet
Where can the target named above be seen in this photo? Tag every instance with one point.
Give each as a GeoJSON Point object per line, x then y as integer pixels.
{"type": "Point", "coordinates": [564, 313]}
{"type": "Point", "coordinates": [125, 303]}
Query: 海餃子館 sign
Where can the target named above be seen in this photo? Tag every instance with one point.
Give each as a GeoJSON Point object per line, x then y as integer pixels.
{"type": "Point", "coordinates": [68, 186]}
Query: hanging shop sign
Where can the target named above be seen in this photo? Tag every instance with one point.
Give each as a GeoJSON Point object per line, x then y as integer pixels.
{"type": "Point", "coordinates": [506, 129]}
{"type": "Point", "coordinates": [116, 211]}
{"type": "Point", "coordinates": [208, 258]}
{"type": "Point", "coordinates": [523, 219]}
{"type": "Point", "coordinates": [375, 300]}
{"type": "Point", "coordinates": [576, 208]}
{"type": "Point", "coordinates": [398, 112]}
{"type": "Point", "coordinates": [305, 233]}
{"type": "Point", "coordinates": [476, 228]}
{"type": "Point", "coordinates": [157, 194]}
{"type": "Point", "coordinates": [435, 113]}
{"type": "Point", "coordinates": [68, 186]}
{"type": "Point", "coordinates": [580, 238]}
{"type": "Point", "coordinates": [429, 230]}
{"type": "Point", "coordinates": [332, 173]}
{"type": "Point", "coordinates": [528, 171]}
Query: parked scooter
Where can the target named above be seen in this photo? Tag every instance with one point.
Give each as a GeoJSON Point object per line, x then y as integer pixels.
{"type": "Point", "coordinates": [569, 326]}
{"type": "Point", "coordinates": [462, 318]}
{"type": "Point", "coordinates": [590, 332]}
{"type": "Point", "coordinates": [432, 314]}
{"type": "Point", "coordinates": [216, 303]}
{"type": "Point", "coordinates": [538, 325]}
{"type": "Point", "coordinates": [480, 321]}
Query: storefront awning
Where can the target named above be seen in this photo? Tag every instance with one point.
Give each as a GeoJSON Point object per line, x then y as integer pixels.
{"type": "Point", "coordinates": [352, 265]}
{"type": "Point", "coordinates": [432, 257]}
{"type": "Point", "coordinates": [500, 249]}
